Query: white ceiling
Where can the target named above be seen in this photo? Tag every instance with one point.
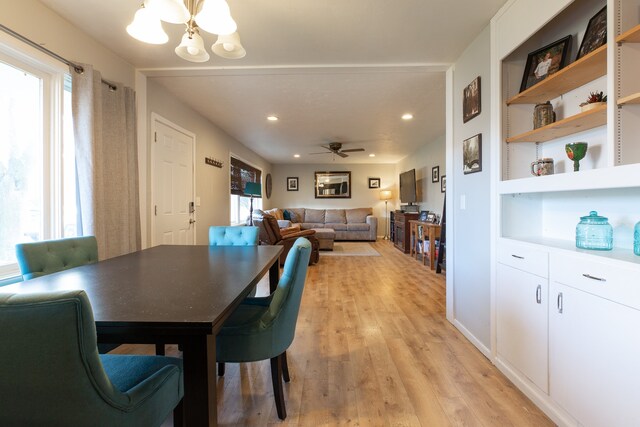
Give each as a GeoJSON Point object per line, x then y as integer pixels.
{"type": "Point", "coordinates": [331, 70]}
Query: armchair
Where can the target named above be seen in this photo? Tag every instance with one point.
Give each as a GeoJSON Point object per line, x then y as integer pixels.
{"type": "Point", "coordinates": [270, 234]}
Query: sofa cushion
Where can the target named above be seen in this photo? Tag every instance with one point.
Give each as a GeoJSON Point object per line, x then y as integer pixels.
{"type": "Point", "coordinates": [358, 215]}
{"type": "Point", "coordinates": [336, 226]}
{"type": "Point", "coordinates": [335, 216]}
{"type": "Point", "coordinates": [310, 225]}
{"type": "Point", "coordinates": [276, 212]}
{"type": "Point", "coordinates": [358, 227]}
{"type": "Point", "coordinates": [314, 215]}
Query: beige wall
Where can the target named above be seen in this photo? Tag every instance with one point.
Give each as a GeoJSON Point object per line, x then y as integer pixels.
{"type": "Point", "coordinates": [361, 194]}
{"type": "Point", "coordinates": [212, 183]}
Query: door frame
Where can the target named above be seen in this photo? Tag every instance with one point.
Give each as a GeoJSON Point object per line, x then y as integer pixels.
{"type": "Point", "coordinates": [157, 118]}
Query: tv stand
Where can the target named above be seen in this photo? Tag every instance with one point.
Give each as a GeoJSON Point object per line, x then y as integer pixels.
{"type": "Point", "coordinates": [402, 230]}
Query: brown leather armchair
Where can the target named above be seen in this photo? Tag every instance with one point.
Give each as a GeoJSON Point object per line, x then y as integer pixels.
{"type": "Point", "coordinates": [270, 234]}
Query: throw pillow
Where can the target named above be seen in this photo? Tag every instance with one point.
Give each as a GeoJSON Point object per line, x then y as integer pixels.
{"type": "Point", "coordinates": [287, 215]}
{"type": "Point", "coordinates": [276, 212]}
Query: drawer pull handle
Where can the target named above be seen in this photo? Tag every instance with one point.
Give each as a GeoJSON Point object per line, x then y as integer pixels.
{"type": "Point", "coordinates": [560, 303]}
{"type": "Point", "coordinates": [539, 294]}
{"type": "Point", "coordinates": [599, 279]}
{"type": "Point", "coordinates": [517, 256]}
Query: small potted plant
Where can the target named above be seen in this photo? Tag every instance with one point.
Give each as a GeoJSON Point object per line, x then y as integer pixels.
{"type": "Point", "coordinates": [594, 100]}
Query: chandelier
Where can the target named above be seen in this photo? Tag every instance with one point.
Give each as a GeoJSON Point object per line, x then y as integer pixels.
{"type": "Point", "coordinates": [212, 16]}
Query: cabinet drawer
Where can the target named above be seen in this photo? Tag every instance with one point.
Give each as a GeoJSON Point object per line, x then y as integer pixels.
{"type": "Point", "coordinates": [524, 258]}
{"type": "Point", "coordinates": [611, 281]}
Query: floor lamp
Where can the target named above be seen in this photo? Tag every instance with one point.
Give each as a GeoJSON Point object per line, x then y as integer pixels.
{"type": "Point", "coordinates": [252, 189]}
{"type": "Point", "coordinates": [386, 195]}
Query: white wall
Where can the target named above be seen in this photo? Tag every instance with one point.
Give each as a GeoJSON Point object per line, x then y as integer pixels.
{"type": "Point", "coordinates": [469, 224]}
{"type": "Point", "coordinates": [423, 160]}
{"type": "Point", "coordinates": [212, 183]}
{"type": "Point", "coordinates": [361, 194]}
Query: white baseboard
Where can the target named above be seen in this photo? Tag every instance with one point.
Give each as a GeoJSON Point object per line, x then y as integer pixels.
{"type": "Point", "coordinates": [476, 342]}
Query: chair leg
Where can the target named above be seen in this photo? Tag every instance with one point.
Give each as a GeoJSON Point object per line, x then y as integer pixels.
{"type": "Point", "coordinates": [221, 369]}
{"type": "Point", "coordinates": [276, 379]}
{"type": "Point", "coordinates": [160, 349]}
{"type": "Point", "coordinates": [285, 367]}
{"type": "Point", "coordinates": [178, 415]}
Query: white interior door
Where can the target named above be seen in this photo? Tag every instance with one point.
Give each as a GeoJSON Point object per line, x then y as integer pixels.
{"type": "Point", "coordinates": [173, 215]}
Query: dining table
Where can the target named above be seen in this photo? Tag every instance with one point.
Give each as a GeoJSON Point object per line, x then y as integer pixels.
{"type": "Point", "coordinates": [170, 294]}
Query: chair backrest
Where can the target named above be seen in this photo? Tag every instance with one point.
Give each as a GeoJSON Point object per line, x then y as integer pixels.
{"type": "Point", "coordinates": [41, 258]}
{"type": "Point", "coordinates": [233, 236]}
{"type": "Point", "coordinates": [285, 302]}
{"type": "Point", "coordinates": [269, 229]}
{"type": "Point", "coordinates": [50, 364]}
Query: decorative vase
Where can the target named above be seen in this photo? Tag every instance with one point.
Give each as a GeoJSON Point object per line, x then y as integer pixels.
{"type": "Point", "coordinates": [543, 115]}
{"type": "Point", "coordinates": [576, 152]}
{"type": "Point", "coordinates": [591, 106]}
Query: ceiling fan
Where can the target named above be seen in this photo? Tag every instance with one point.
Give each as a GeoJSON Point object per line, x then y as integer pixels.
{"type": "Point", "coordinates": [336, 148]}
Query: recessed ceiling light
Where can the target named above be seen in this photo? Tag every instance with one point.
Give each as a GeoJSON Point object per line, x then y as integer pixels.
{"type": "Point", "coordinates": [272, 118]}
{"type": "Point", "coordinates": [372, 155]}
{"type": "Point", "coordinates": [407, 116]}
{"type": "Point", "coordinates": [296, 155]}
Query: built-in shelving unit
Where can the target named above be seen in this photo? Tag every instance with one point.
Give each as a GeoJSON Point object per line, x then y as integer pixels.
{"type": "Point", "coordinates": [630, 36]}
{"type": "Point", "coordinates": [629, 99]}
{"type": "Point", "coordinates": [573, 124]}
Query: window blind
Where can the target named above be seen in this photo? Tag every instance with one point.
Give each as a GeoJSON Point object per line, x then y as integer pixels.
{"type": "Point", "coordinates": [241, 173]}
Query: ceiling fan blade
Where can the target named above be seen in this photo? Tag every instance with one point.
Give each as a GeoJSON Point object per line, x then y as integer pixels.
{"type": "Point", "coordinates": [351, 150]}
{"type": "Point", "coordinates": [324, 152]}
{"type": "Point", "coordinates": [341, 154]}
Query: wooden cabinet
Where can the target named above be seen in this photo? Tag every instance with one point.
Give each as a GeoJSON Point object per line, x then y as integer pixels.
{"type": "Point", "coordinates": [402, 230]}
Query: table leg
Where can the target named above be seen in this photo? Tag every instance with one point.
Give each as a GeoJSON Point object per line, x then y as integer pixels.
{"type": "Point", "coordinates": [274, 276]}
{"type": "Point", "coordinates": [199, 361]}
{"type": "Point", "coordinates": [432, 248]}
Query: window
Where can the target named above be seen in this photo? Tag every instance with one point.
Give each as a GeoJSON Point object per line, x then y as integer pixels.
{"type": "Point", "coordinates": [37, 158]}
{"type": "Point", "coordinates": [241, 173]}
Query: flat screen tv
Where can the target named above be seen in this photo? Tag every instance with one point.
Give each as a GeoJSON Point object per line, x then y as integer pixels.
{"type": "Point", "coordinates": [408, 187]}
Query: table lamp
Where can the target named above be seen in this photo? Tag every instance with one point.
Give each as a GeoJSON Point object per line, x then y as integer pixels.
{"type": "Point", "coordinates": [252, 189]}
{"type": "Point", "coordinates": [386, 196]}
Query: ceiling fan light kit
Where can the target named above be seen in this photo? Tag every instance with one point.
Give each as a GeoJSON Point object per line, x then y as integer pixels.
{"type": "Point", "coordinates": [213, 16]}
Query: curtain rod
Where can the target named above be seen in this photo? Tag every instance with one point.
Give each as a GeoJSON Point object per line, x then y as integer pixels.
{"type": "Point", "coordinates": [78, 68]}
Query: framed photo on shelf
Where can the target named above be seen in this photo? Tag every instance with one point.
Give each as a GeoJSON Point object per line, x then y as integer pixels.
{"type": "Point", "coordinates": [435, 174]}
{"type": "Point", "coordinates": [472, 154]}
{"type": "Point", "coordinates": [292, 183]}
{"type": "Point", "coordinates": [471, 101]}
{"type": "Point", "coordinates": [443, 183]}
{"type": "Point", "coordinates": [544, 62]}
{"type": "Point", "coordinates": [596, 33]}
{"type": "Point", "coordinates": [431, 217]}
{"type": "Point", "coordinates": [374, 182]}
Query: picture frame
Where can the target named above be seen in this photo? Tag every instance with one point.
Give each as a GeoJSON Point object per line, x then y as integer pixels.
{"type": "Point", "coordinates": [431, 217]}
{"type": "Point", "coordinates": [374, 182]}
{"type": "Point", "coordinates": [595, 35]}
{"type": "Point", "coordinates": [472, 154]}
{"type": "Point", "coordinates": [443, 183]}
{"type": "Point", "coordinates": [471, 102]}
{"type": "Point", "coordinates": [435, 174]}
{"type": "Point", "coordinates": [332, 185]}
{"type": "Point", "coordinates": [545, 61]}
{"type": "Point", "coordinates": [423, 216]}
{"type": "Point", "coordinates": [292, 183]}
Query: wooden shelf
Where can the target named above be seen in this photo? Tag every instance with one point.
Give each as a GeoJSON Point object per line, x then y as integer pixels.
{"type": "Point", "coordinates": [630, 99]}
{"type": "Point", "coordinates": [578, 123]}
{"type": "Point", "coordinates": [574, 75]}
{"type": "Point", "coordinates": [631, 36]}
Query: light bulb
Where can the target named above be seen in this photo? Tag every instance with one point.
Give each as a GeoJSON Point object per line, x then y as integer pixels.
{"type": "Point", "coordinates": [192, 50]}
{"type": "Point", "coordinates": [228, 46]}
{"type": "Point", "coordinates": [147, 28]}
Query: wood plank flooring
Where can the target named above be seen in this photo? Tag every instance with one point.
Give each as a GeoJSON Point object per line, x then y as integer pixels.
{"type": "Point", "coordinates": [373, 348]}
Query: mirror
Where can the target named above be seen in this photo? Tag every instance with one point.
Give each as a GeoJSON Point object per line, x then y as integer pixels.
{"type": "Point", "coordinates": [333, 185]}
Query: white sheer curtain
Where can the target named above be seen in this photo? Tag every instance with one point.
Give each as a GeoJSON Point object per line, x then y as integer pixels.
{"type": "Point", "coordinates": [104, 123]}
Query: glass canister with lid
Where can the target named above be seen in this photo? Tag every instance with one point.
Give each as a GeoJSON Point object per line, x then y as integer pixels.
{"type": "Point", "coordinates": [636, 239]}
{"type": "Point", "coordinates": [594, 232]}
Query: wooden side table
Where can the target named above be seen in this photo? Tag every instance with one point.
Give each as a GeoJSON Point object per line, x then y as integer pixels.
{"type": "Point", "coordinates": [429, 231]}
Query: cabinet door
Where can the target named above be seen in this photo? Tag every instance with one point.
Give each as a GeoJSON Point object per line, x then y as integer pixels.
{"type": "Point", "coordinates": [594, 358]}
{"type": "Point", "coordinates": [522, 319]}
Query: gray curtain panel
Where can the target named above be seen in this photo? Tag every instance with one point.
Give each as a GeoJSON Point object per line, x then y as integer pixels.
{"type": "Point", "coordinates": [104, 123]}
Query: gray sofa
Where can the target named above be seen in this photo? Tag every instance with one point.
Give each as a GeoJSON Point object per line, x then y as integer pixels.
{"type": "Point", "coordinates": [349, 224]}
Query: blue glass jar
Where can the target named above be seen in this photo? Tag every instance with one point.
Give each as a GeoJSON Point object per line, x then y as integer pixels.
{"type": "Point", "coordinates": [594, 232]}
{"type": "Point", "coordinates": [636, 239]}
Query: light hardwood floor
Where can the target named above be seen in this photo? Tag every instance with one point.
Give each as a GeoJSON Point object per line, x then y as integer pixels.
{"type": "Point", "coordinates": [373, 348]}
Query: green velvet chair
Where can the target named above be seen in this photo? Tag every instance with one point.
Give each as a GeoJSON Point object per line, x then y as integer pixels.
{"type": "Point", "coordinates": [263, 328]}
{"type": "Point", "coordinates": [233, 236]}
{"type": "Point", "coordinates": [52, 374]}
{"type": "Point", "coordinates": [41, 258]}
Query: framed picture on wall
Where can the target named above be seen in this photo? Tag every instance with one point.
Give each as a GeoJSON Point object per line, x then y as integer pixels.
{"type": "Point", "coordinates": [472, 154]}
{"type": "Point", "coordinates": [471, 101]}
{"type": "Point", "coordinates": [374, 182]}
{"type": "Point", "coordinates": [292, 183]}
{"type": "Point", "coordinates": [443, 183]}
{"type": "Point", "coordinates": [435, 174]}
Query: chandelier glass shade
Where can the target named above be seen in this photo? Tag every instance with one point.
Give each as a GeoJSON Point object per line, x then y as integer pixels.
{"type": "Point", "coordinates": [212, 16]}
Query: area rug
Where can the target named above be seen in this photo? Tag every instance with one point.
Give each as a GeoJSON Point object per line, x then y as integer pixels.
{"type": "Point", "coordinates": [351, 249]}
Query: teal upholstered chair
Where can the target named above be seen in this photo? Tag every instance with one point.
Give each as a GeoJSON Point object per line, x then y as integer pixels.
{"type": "Point", "coordinates": [233, 236]}
{"type": "Point", "coordinates": [52, 374]}
{"type": "Point", "coordinates": [41, 258]}
{"type": "Point", "coordinates": [263, 328]}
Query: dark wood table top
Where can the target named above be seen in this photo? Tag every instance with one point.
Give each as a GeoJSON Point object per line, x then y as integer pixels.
{"type": "Point", "coordinates": [165, 286]}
